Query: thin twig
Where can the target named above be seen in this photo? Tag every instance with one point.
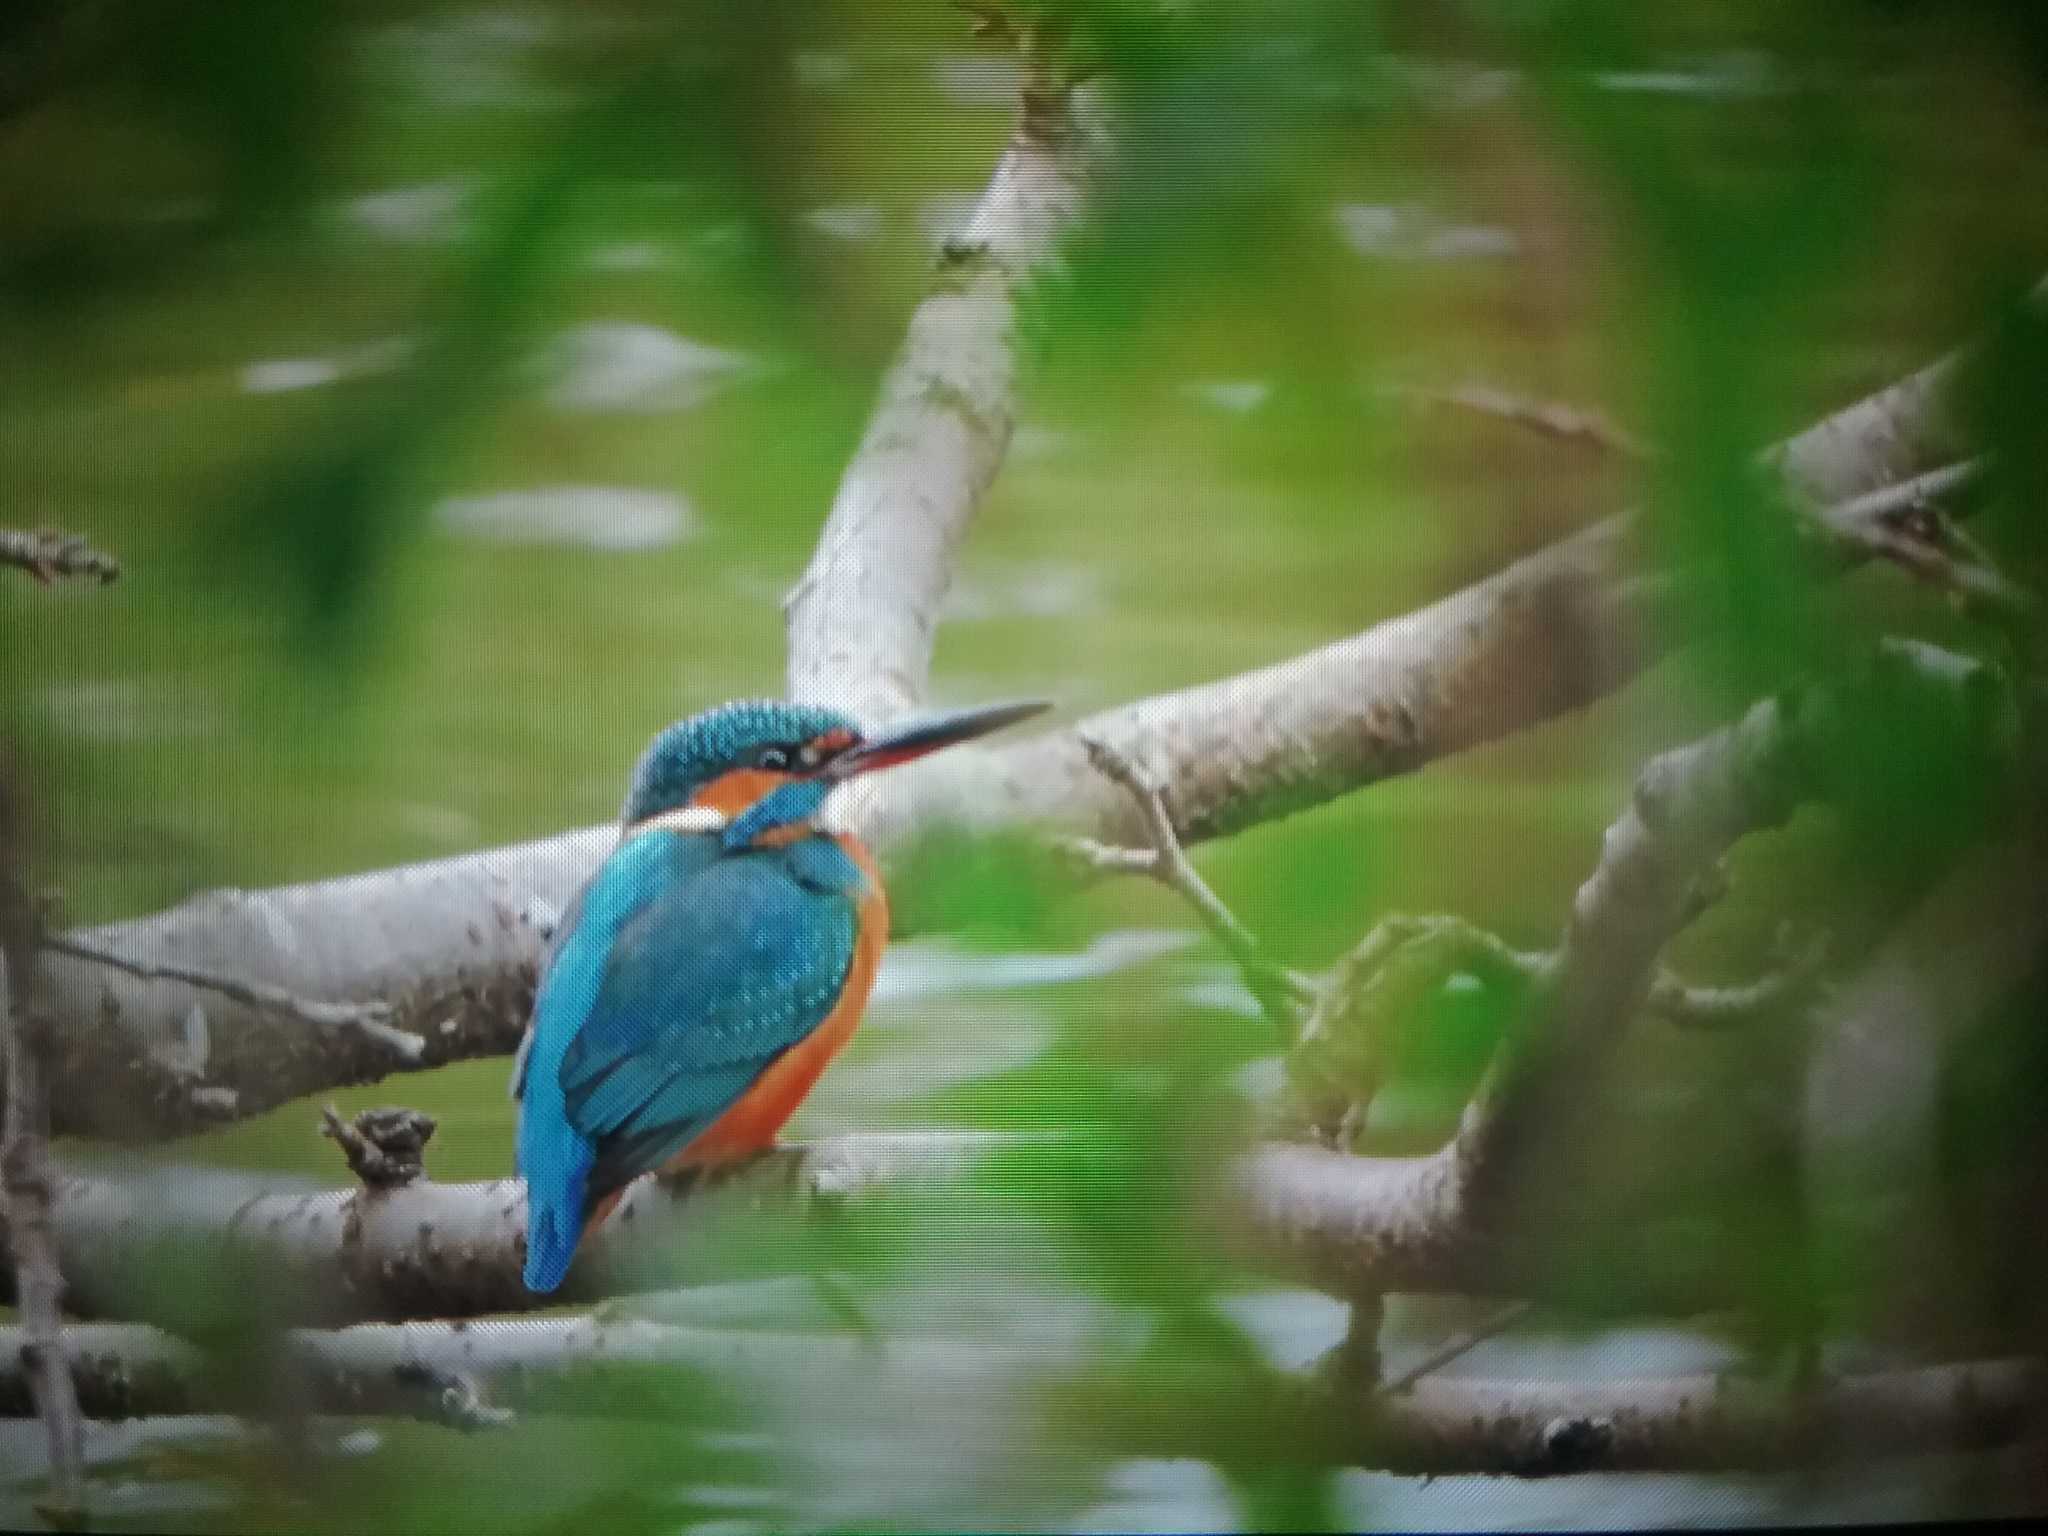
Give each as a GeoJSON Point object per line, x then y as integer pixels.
{"type": "Point", "coordinates": [1372, 1000]}
{"type": "Point", "coordinates": [385, 1148]}
{"type": "Point", "coordinates": [1282, 994]}
{"type": "Point", "coordinates": [1464, 1343]}
{"type": "Point", "coordinates": [1561, 422]}
{"type": "Point", "coordinates": [1906, 525]}
{"type": "Point", "coordinates": [1690, 1006]}
{"type": "Point", "coordinates": [48, 553]}
{"type": "Point", "coordinates": [371, 1018]}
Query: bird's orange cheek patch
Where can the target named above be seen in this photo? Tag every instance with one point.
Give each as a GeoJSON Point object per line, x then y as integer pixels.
{"type": "Point", "coordinates": [732, 793]}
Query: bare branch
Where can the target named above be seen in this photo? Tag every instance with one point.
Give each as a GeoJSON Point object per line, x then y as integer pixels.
{"type": "Point", "coordinates": [1906, 525]}
{"type": "Point", "coordinates": [1589, 429]}
{"type": "Point", "coordinates": [415, 1248]}
{"type": "Point", "coordinates": [1281, 993]}
{"type": "Point", "coordinates": [125, 1370]}
{"type": "Point", "coordinates": [1462, 1216]}
{"type": "Point", "coordinates": [49, 553]}
{"type": "Point", "coordinates": [1688, 807]}
{"type": "Point", "coordinates": [373, 1019]}
{"type": "Point", "coordinates": [1525, 1428]}
{"type": "Point", "coordinates": [1554, 1428]}
{"type": "Point", "coordinates": [1691, 1006]}
{"type": "Point", "coordinates": [451, 946]}
{"type": "Point", "coordinates": [862, 620]}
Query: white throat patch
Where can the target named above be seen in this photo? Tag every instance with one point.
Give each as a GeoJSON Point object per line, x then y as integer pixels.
{"type": "Point", "coordinates": [688, 818]}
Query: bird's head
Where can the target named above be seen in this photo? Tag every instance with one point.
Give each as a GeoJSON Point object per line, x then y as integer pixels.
{"type": "Point", "coordinates": [760, 764]}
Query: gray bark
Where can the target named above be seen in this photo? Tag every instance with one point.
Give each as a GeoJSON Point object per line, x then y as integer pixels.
{"type": "Point", "coordinates": [452, 944]}
{"type": "Point", "coordinates": [471, 1374]}
{"type": "Point", "coordinates": [863, 618]}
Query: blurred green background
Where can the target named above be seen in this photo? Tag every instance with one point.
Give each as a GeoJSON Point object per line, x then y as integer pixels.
{"type": "Point", "coordinates": [462, 387]}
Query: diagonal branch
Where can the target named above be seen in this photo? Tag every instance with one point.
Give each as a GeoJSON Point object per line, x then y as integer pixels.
{"type": "Point", "coordinates": [452, 946]}
{"type": "Point", "coordinates": [1353, 1225]}
{"type": "Point", "coordinates": [1907, 525]}
{"type": "Point", "coordinates": [863, 618]}
{"type": "Point", "coordinates": [1688, 807]}
{"type": "Point", "coordinates": [1561, 423]}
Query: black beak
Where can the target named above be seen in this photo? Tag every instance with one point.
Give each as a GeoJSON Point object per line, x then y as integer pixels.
{"type": "Point", "coordinates": [928, 733]}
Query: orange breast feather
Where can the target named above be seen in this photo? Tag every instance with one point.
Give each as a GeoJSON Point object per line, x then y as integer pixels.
{"type": "Point", "coordinates": [758, 1114]}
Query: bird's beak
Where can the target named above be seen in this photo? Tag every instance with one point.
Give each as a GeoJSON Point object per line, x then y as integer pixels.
{"type": "Point", "coordinates": [928, 733]}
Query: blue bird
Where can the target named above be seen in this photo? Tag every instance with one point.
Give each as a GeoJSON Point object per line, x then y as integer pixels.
{"type": "Point", "coordinates": [710, 970]}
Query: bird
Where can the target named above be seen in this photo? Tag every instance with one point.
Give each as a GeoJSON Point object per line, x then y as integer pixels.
{"type": "Point", "coordinates": [704, 977]}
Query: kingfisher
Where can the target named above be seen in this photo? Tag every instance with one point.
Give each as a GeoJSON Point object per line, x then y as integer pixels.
{"type": "Point", "coordinates": [705, 976]}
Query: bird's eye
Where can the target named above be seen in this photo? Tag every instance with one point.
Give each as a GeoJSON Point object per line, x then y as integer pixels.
{"type": "Point", "coordinates": [773, 757]}
{"type": "Point", "coordinates": [809, 757]}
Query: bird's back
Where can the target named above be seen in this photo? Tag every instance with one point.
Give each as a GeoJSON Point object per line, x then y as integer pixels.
{"type": "Point", "coordinates": [683, 989]}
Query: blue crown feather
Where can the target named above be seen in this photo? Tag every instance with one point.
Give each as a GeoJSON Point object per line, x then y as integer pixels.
{"type": "Point", "coordinates": [693, 752]}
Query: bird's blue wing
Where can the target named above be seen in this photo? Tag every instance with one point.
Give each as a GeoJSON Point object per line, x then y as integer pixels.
{"type": "Point", "coordinates": [686, 975]}
{"type": "Point", "coordinates": [706, 986]}
{"type": "Point", "coordinates": [565, 926]}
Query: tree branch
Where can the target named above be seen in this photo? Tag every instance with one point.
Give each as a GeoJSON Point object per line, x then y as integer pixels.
{"type": "Point", "coordinates": [1550, 1429]}
{"type": "Point", "coordinates": [1492, 1327]}
{"type": "Point", "coordinates": [1465, 1217]}
{"type": "Point", "coordinates": [413, 1248]}
{"type": "Point", "coordinates": [452, 947]}
{"type": "Point", "coordinates": [1376, 990]}
{"type": "Point", "coordinates": [1906, 525]}
{"type": "Point", "coordinates": [1561, 423]}
{"type": "Point", "coordinates": [441, 1371]}
{"type": "Point", "coordinates": [49, 553]}
{"type": "Point", "coordinates": [371, 1018]}
{"type": "Point", "coordinates": [1282, 994]}
{"type": "Point", "coordinates": [862, 619]}
{"type": "Point", "coordinates": [1692, 1006]}
{"type": "Point", "coordinates": [1688, 807]}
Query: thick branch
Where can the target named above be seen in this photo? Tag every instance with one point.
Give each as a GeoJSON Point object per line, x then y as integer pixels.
{"type": "Point", "coordinates": [472, 1374]}
{"type": "Point", "coordinates": [1548, 1429]}
{"type": "Point", "coordinates": [863, 618]}
{"type": "Point", "coordinates": [1438, 1427]}
{"type": "Point", "coordinates": [420, 1249]}
{"type": "Point", "coordinates": [1688, 807]}
{"type": "Point", "coordinates": [1464, 1214]}
{"type": "Point", "coordinates": [450, 946]}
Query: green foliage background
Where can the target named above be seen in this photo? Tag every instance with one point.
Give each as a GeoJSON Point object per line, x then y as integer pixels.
{"type": "Point", "coordinates": [1727, 219]}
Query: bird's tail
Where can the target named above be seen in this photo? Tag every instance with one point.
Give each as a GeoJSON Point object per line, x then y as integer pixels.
{"type": "Point", "coordinates": [554, 1224]}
